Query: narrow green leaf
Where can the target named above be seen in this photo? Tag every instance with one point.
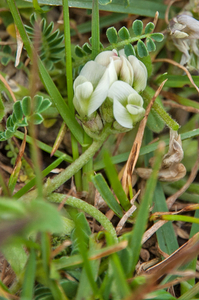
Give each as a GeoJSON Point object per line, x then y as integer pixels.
{"type": "Point", "coordinates": [14, 176]}
{"type": "Point", "coordinates": [83, 249]}
{"type": "Point", "coordinates": [150, 45]}
{"type": "Point", "coordinates": [115, 183]}
{"type": "Point", "coordinates": [111, 34]}
{"type": "Point", "coordinates": [137, 27]}
{"type": "Point", "coordinates": [26, 105]}
{"type": "Point", "coordinates": [38, 119]}
{"type": "Point", "coordinates": [129, 50]}
{"type": "Point", "coordinates": [191, 293]}
{"type": "Point", "coordinates": [124, 33]}
{"type": "Point", "coordinates": [45, 172]}
{"type": "Point", "coordinates": [142, 216]}
{"type": "Point", "coordinates": [29, 277]}
{"type": "Point", "coordinates": [79, 52]}
{"type": "Point", "coordinates": [84, 288]}
{"type": "Point", "coordinates": [141, 49]}
{"type": "Point", "coordinates": [119, 275]}
{"type": "Point", "coordinates": [69, 288]}
{"type": "Point", "coordinates": [24, 122]}
{"type": "Point", "coordinates": [9, 133]}
{"type": "Point", "coordinates": [158, 37]}
{"type": "Point", "coordinates": [2, 112]}
{"type": "Point", "coordinates": [9, 123]}
{"type": "Point", "coordinates": [44, 105]}
{"type": "Point", "coordinates": [149, 27]}
{"type": "Point", "coordinates": [53, 36]}
{"type": "Point", "coordinates": [166, 236]}
{"type": "Point", "coordinates": [16, 255]}
{"type": "Point", "coordinates": [104, 2]}
{"type": "Point", "coordinates": [17, 109]}
{"type": "Point", "coordinates": [125, 6]}
{"type": "Point", "coordinates": [101, 185]}
{"type": "Point", "coordinates": [87, 48]}
{"type": "Point", "coordinates": [37, 102]}
{"type": "Point", "coordinates": [49, 29]}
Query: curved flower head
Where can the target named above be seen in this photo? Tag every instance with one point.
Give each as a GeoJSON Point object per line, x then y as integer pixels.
{"type": "Point", "coordinates": [127, 104]}
{"type": "Point", "coordinates": [184, 30]}
{"type": "Point", "coordinates": [91, 87]}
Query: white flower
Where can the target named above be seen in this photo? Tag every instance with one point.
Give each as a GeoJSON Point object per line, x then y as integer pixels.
{"type": "Point", "coordinates": [91, 87]}
{"type": "Point", "coordinates": [123, 68]}
{"type": "Point", "coordinates": [140, 73]}
{"type": "Point", "coordinates": [184, 30]}
{"type": "Point", "coordinates": [105, 57]}
{"type": "Point", "coordinates": [127, 104]}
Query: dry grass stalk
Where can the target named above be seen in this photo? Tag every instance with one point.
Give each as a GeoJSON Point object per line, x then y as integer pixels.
{"type": "Point", "coordinates": [134, 154]}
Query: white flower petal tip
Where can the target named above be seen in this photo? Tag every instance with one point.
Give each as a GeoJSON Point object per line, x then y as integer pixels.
{"type": "Point", "coordinates": [126, 71]}
{"type": "Point", "coordinates": [104, 57]}
{"type": "Point", "coordinates": [89, 72]}
{"type": "Point", "coordinates": [140, 73]}
{"type": "Point", "coordinates": [120, 91]}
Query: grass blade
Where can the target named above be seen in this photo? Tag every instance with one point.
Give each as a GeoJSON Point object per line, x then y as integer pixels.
{"type": "Point", "coordinates": [29, 277]}
{"type": "Point", "coordinates": [166, 236]}
{"type": "Point", "coordinates": [142, 216]}
{"type": "Point", "coordinates": [101, 185]}
{"type": "Point", "coordinates": [115, 183]}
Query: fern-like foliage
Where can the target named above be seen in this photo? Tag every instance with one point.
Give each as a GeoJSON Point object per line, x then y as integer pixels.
{"type": "Point", "coordinates": [51, 47]}
{"type": "Point", "coordinates": [124, 39]}
{"type": "Point", "coordinates": [22, 113]}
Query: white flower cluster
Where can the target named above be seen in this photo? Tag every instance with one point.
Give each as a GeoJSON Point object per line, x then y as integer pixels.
{"type": "Point", "coordinates": [184, 30]}
{"type": "Point", "coordinates": [114, 78]}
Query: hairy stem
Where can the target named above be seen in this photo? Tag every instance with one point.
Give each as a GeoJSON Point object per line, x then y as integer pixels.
{"type": "Point", "coordinates": [52, 184]}
{"type": "Point", "coordinates": [88, 208]}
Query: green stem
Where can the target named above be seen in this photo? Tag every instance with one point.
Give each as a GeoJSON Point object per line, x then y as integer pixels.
{"type": "Point", "coordinates": [53, 184]}
{"type": "Point", "coordinates": [69, 79]}
{"type": "Point", "coordinates": [87, 208]}
{"type": "Point", "coordinates": [87, 168]}
{"type": "Point", "coordinates": [160, 111]}
{"type": "Point", "coordinates": [95, 29]}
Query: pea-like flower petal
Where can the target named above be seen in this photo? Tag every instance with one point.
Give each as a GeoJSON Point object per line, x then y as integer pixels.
{"type": "Point", "coordinates": [127, 104]}
{"type": "Point", "coordinates": [104, 57]}
{"type": "Point", "coordinates": [140, 73]}
{"type": "Point", "coordinates": [90, 93]}
{"type": "Point", "coordinates": [93, 72]}
{"type": "Point", "coordinates": [122, 116]}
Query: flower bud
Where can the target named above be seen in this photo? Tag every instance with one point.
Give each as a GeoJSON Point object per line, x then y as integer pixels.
{"type": "Point", "coordinates": [93, 124]}
{"type": "Point", "coordinates": [106, 111]}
